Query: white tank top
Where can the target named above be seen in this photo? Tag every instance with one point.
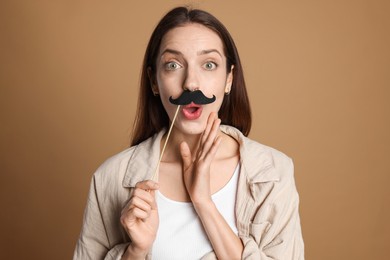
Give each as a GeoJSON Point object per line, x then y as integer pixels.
{"type": "Point", "coordinates": [181, 234]}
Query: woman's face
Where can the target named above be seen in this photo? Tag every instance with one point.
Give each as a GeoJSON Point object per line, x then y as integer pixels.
{"type": "Point", "coordinates": [191, 58]}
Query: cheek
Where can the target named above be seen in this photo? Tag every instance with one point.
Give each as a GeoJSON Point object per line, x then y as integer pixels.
{"type": "Point", "coordinates": [169, 108]}
{"type": "Point", "coordinates": [167, 105]}
{"type": "Point", "coordinates": [169, 85]}
{"type": "Point", "coordinates": [218, 89]}
{"type": "Point", "coordinates": [215, 86]}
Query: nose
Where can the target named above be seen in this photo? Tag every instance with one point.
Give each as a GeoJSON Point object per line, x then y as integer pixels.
{"type": "Point", "coordinates": [191, 81]}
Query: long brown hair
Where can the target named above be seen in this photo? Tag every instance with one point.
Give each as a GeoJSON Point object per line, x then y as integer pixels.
{"type": "Point", "coordinates": [151, 116]}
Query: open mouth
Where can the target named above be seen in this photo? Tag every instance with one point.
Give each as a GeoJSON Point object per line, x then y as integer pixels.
{"type": "Point", "coordinates": [192, 111]}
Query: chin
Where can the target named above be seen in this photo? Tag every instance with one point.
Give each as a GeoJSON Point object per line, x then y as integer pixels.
{"type": "Point", "coordinates": [191, 127]}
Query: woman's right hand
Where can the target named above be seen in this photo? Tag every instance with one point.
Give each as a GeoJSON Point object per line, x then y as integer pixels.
{"type": "Point", "coordinates": [140, 219]}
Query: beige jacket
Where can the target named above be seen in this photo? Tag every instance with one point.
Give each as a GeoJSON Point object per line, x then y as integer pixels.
{"type": "Point", "coordinates": [266, 207]}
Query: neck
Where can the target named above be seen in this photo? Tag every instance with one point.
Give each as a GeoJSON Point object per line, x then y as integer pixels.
{"type": "Point", "coordinates": [172, 152]}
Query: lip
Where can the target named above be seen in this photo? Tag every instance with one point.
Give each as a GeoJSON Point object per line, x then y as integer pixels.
{"type": "Point", "coordinates": [192, 111]}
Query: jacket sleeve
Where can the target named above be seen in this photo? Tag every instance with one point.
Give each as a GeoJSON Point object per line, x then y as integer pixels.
{"type": "Point", "coordinates": [93, 242]}
{"type": "Point", "coordinates": [275, 232]}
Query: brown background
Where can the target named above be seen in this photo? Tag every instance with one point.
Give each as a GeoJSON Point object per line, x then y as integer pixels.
{"type": "Point", "coordinates": [318, 78]}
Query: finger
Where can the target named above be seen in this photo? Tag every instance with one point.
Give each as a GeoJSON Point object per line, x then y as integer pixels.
{"type": "Point", "coordinates": [153, 204]}
{"type": "Point", "coordinates": [213, 150]}
{"type": "Point", "coordinates": [137, 202]}
{"type": "Point", "coordinates": [146, 190]}
{"type": "Point", "coordinates": [147, 185]}
{"type": "Point", "coordinates": [143, 194]}
{"type": "Point", "coordinates": [206, 135]}
{"type": "Point", "coordinates": [206, 132]}
{"type": "Point", "coordinates": [128, 217]}
{"type": "Point", "coordinates": [211, 138]}
{"type": "Point", "coordinates": [186, 156]}
{"type": "Point", "coordinates": [141, 199]}
{"type": "Point", "coordinates": [214, 129]}
{"type": "Point", "coordinates": [139, 213]}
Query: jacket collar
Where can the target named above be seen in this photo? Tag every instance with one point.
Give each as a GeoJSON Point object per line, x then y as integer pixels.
{"type": "Point", "coordinates": [256, 160]}
{"type": "Point", "coordinates": [143, 161]}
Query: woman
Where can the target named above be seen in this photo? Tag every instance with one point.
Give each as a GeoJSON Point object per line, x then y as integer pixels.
{"type": "Point", "coordinates": [219, 194]}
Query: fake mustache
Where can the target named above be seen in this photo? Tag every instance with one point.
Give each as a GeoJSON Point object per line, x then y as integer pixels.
{"type": "Point", "coordinates": [196, 96]}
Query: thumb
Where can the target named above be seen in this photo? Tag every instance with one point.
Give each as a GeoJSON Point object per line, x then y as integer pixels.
{"type": "Point", "coordinates": [185, 155]}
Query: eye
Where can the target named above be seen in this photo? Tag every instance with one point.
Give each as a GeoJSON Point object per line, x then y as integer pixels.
{"type": "Point", "coordinates": [172, 65]}
{"type": "Point", "coordinates": [210, 65]}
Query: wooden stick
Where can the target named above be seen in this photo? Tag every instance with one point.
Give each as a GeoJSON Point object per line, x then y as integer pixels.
{"type": "Point", "coordinates": [155, 175]}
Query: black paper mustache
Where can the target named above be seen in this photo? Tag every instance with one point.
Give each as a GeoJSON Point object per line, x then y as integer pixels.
{"type": "Point", "coordinates": [196, 96]}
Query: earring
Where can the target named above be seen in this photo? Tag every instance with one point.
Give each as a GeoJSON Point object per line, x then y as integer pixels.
{"type": "Point", "coordinates": [155, 93]}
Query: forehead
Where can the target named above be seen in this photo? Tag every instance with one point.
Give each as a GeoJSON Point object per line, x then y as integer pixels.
{"type": "Point", "coordinates": [191, 37]}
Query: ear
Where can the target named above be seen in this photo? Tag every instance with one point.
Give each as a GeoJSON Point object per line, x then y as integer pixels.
{"type": "Point", "coordinates": [152, 81]}
{"type": "Point", "coordinates": [229, 81]}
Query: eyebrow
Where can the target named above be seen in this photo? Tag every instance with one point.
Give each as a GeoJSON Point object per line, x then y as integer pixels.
{"type": "Point", "coordinates": [171, 51]}
{"type": "Point", "coordinates": [203, 52]}
{"type": "Point", "coordinates": [209, 51]}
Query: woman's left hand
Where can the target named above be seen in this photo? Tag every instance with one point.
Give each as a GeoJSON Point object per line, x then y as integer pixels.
{"type": "Point", "coordinates": [196, 169]}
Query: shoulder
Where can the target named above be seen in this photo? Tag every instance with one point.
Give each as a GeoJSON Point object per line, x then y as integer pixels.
{"type": "Point", "coordinates": [271, 172]}
{"type": "Point", "coordinates": [113, 169]}
{"type": "Point", "coordinates": [130, 166]}
{"type": "Point", "coordinates": [255, 150]}
{"type": "Point", "coordinates": [262, 163]}
{"type": "Point", "coordinates": [274, 164]}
